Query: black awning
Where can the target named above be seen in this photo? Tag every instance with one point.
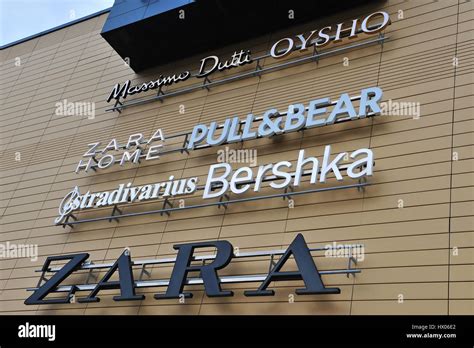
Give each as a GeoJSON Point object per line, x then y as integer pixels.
{"type": "Point", "coordinates": [152, 32]}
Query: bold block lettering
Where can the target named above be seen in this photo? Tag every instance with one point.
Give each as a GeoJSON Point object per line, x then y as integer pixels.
{"type": "Point", "coordinates": [307, 271]}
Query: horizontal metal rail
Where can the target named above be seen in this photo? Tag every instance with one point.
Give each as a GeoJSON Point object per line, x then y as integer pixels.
{"type": "Point", "coordinates": [307, 172]}
{"type": "Point", "coordinates": [186, 134]}
{"type": "Point", "coordinates": [247, 74]}
{"type": "Point", "coordinates": [267, 178]}
{"type": "Point", "coordinates": [312, 42]}
{"type": "Point", "coordinates": [90, 267]}
{"type": "Point", "coordinates": [147, 262]}
{"type": "Point", "coordinates": [280, 113]}
{"type": "Point", "coordinates": [213, 187]}
{"type": "Point", "coordinates": [220, 203]}
{"type": "Point", "coordinates": [194, 281]}
{"type": "Point", "coordinates": [315, 56]}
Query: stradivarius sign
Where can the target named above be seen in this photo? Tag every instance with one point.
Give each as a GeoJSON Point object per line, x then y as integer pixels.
{"type": "Point", "coordinates": [316, 38]}
{"type": "Point", "coordinates": [184, 264]}
{"type": "Point", "coordinates": [222, 179]}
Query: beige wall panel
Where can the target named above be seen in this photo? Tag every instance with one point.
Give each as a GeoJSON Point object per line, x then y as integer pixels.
{"type": "Point", "coordinates": [407, 250]}
{"type": "Point", "coordinates": [424, 307]}
{"type": "Point", "coordinates": [461, 273]}
{"type": "Point", "coordinates": [392, 292]}
{"type": "Point", "coordinates": [308, 308]}
{"type": "Point", "coordinates": [461, 307]}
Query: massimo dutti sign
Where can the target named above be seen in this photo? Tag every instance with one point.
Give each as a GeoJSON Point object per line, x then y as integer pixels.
{"type": "Point", "coordinates": [316, 38]}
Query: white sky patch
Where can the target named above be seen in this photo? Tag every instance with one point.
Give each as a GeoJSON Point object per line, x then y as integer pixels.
{"type": "Point", "coordinates": [23, 18]}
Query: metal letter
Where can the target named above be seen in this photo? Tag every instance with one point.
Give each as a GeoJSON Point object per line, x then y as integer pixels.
{"type": "Point", "coordinates": [51, 284]}
{"type": "Point", "coordinates": [126, 283]}
{"type": "Point", "coordinates": [208, 272]}
{"type": "Point", "coordinates": [308, 272]}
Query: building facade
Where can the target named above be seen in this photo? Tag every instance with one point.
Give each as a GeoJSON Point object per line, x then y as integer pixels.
{"type": "Point", "coordinates": [413, 215]}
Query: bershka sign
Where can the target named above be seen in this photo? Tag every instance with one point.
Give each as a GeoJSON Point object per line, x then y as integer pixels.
{"type": "Point", "coordinates": [317, 113]}
{"type": "Point", "coordinates": [217, 184]}
{"type": "Point", "coordinates": [316, 38]}
{"type": "Point", "coordinates": [185, 263]}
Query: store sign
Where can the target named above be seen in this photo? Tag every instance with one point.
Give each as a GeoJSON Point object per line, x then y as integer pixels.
{"type": "Point", "coordinates": [316, 113]}
{"type": "Point", "coordinates": [321, 37]}
{"type": "Point", "coordinates": [306, 271]}
{"type": "Point", "coordinates": [133, 150]}
{"type": "Point", "coordinates": [221, 179]}
{"type": "Point", "coordinates": [316, 38]}
{"type": "Point", "coordinates": [299, 116]}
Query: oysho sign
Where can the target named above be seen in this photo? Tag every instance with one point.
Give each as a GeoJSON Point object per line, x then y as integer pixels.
{"type": "Point", "coordinates": [316, 38]}
{"type": "Point", "coordinates": [321, 37]}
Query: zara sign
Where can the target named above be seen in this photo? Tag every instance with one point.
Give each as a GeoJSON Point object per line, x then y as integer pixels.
{"type": "Point", "coordinates": [208, 272]}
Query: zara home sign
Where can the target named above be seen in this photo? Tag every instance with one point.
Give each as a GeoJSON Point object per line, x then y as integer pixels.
{"type": "Point", "coordinates": [316, 38]}
{"type": "Point", "coordinates": [297, 117]}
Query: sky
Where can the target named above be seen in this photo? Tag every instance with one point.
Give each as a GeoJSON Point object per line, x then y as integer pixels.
{"type": "Point", "coordinates": [22, 18]}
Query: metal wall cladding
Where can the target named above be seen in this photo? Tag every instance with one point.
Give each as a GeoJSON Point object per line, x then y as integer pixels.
{"type": "Point", "coordinates": [415, 220]}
